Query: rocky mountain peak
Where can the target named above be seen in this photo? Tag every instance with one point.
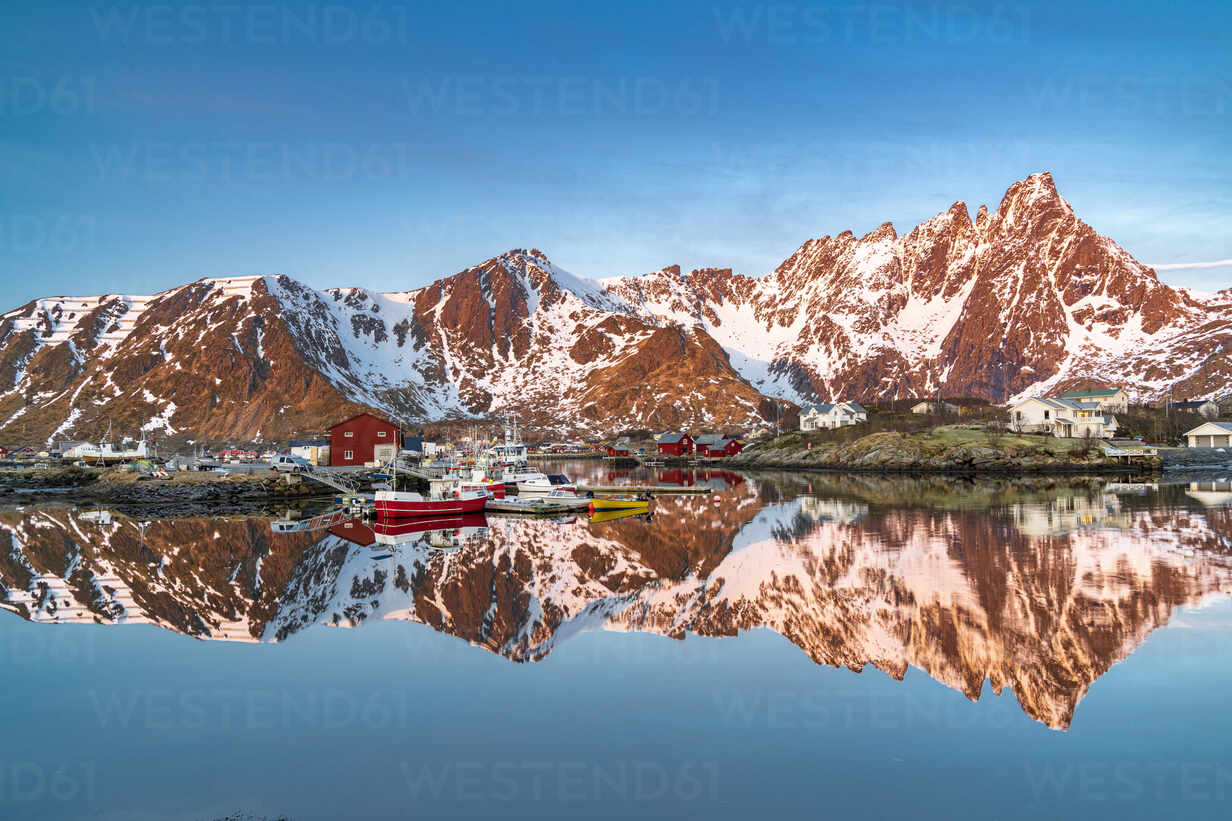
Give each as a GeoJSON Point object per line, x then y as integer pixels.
{"type": "Point", "coordinates": [1034, 199]}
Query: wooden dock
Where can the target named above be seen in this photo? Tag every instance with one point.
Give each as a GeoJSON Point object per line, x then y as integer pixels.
{"type": "Point", "coordinates": [609, 489]}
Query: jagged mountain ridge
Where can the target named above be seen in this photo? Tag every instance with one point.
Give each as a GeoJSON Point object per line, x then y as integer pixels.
{"type": "Point", "coordinates": [1015, 302]}
{"type": "Point", "coordinates": [1019, 301]}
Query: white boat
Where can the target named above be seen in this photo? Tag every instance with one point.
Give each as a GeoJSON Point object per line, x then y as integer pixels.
{"type": "Point", "coordinates": [107, 453]}
{"type": "Point", "coordinates": [512, 451]}
{"type": "Point", "coordinates": [547, 484]}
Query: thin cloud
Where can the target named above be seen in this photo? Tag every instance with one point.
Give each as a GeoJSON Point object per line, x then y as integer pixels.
{"type": "Point", "coordinates": [1178, 266]}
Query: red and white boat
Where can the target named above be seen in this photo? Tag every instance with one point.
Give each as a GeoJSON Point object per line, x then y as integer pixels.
{"type": "Point", "coordinates": [398, 504]}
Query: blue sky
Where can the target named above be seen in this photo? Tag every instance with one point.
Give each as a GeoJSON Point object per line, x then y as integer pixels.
{"type": "Point", "coordinates": [388, 144]}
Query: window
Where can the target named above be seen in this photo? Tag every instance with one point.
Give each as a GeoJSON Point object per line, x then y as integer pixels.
{"type": "Point", "coordinates": [348, 454]}
{"type": "Point", "coordinates": [380, 434]}
{"type": "Point", "coordinates": [1046, 414]}
{"type": "Point", "coordinates": [349, 434]}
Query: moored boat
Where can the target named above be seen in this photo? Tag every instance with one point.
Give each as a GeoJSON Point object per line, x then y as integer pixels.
{"type": "Point", "coordinates": [397, 504]}
{"type": "Point", "coordinates": [547, 483]}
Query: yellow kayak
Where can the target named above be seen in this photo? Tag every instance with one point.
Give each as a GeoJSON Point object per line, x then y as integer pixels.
{"type": "Point", "coordinates": [618, 504]}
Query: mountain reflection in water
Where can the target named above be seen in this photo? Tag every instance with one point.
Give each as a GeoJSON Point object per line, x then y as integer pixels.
{"type": "Point", "coordinates": [1032, 585]}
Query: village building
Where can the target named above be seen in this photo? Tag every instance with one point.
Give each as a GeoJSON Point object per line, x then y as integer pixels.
{"type": "Point", "coordinates": [621, 448]}
{"type": "Point", "coordinates": [674, 444]}
{"type": "Point", "coordinates": [934, 407]}
{"type": "Point", "coordinates": [1202, 407]}
{"type": "Point", "coordinates": [362, 439]}
{"type": "Point", "coordinates": [1066, 418]}
{"type": "Point", "coordinates": [70, 449]}
{"type": "Point", "coordinates": [827, 416]}
{"type": "Point", "coordinates": [1210, 435]}
{"type": "Point", "coordinates": [718, 447]}
{"type": "Point", "coordinates": [313, 451]}
{"type": "Point", "coordinates": [1112, 400]}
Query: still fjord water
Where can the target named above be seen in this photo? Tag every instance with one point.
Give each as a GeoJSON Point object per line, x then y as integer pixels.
{"type": "Point", "coordinates": [801, 646]}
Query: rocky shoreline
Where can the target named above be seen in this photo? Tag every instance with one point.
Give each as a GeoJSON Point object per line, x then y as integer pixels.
{"type": "Point", "coordinates": [92, 486]}
{"type": "Point", "coordinates": [938, 451]}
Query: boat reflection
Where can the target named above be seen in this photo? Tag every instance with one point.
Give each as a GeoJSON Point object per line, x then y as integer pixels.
{"type": "Point", "coordinates": [1038, 587]}
{"type": "Point", "coordinates": [445, 533]}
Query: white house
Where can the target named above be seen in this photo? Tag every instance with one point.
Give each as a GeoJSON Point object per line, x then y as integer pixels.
{"type": "Point", "coordinates": [1062, 417]}
{"type": "Point", "coordinates": [1210, 435]}
{"type": "Point", "coordinates": [1112, 400]}
{"type": "Point", "coordinates": [827, 415]}
{"type": "Point", "coordinates": [315, 452]}
{"type": "Point", "coordinates": [934, 407]}
{"type": "Point", "coordinates": [1207, 408]}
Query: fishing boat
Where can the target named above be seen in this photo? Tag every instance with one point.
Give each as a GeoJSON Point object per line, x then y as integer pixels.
{"type": "Point", "coordinates": [401, 504]}
{"type": "Point", "coordinates": [476, 479]}
{"type": "Point", "coordinates": [443, 499]}
{"type": "Point", "coordinates": [106, 453]}
{"type": "Point", "coordinates": [547, 484]}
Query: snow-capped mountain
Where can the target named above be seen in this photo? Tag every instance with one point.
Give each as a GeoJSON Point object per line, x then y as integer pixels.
{"type": "Point", "coordinates": [1021, 300]}
{"type": "Point", "coordinates": [1043, 598]}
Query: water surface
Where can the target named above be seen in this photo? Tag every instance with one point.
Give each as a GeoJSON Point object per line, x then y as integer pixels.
{"type": "Point", "coordinates": [830, 644]}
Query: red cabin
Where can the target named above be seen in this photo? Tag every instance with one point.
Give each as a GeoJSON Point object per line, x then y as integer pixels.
{"type": "Point", "coordinates": [617, 450]}
{"type": "Point", "coordinates": [361, 439]}
{"type": "Point", "coordinates": [720, 448]}
{"type": "Point", "coordinates": [675, 444]}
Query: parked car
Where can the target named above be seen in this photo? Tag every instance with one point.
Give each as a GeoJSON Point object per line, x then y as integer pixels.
{"type": "Point", "coordinates": [285, 463]}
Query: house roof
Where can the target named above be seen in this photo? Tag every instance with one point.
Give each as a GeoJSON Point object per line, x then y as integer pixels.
{"type": "Point", "coordinates": [1209, 428]}
{"type": "Point", "coordinates": [855, 406]}
{"type": "Point", "coordinates": [1193, 403]}
{"type": "Point", "coordinates": [1092, 392]}
{"type": "Point", "coordinates": [309, 443]}
{"type": "Point", "coordinates": [708, 438]}
{"type": "Point", "coordinates": [356, 416]}
{"type": "Point", "coordinates": [821, 407]}
{"type": "Point", "coordinates": [670, 438]}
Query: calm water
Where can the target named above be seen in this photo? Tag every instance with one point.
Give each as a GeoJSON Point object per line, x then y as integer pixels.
{"type": "Point", "coordinates": [795, 647]}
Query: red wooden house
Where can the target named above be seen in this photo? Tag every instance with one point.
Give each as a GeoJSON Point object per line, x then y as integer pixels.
{"type": "Point", "coordinates": [617, 450]}
{"type": "Point", "coordinates": [675, 444]}
{"type": "Point", "coordinates": [359, 440]}
{"type": "Point", "coordinates": [720, 448]}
